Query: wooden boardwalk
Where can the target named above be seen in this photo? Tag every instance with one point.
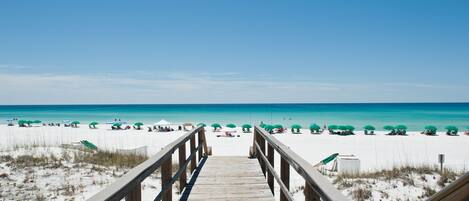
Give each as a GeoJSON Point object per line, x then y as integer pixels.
{"type": "Point", "coordinates": [232, 178]}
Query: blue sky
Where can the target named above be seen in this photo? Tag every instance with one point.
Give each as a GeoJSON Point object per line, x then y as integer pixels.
{"type": "Point", "coordinates": [61, 52]}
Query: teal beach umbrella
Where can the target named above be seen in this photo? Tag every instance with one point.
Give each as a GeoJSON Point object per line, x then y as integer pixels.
{"type": "Point", "coordinates": [201, 124]}
{"type": "Point", "coordinates": [295, 128]}
{"type": "Point", "coordinates": [246, 127]}
{"type": "Point", "coordinates": [93, 124]}
{"type": "Point", "coordinates": [231, 125]}
{"type": "Point", "coordinates": [278, 126]}
{"type": "Point", "coordinates": [216, 126]}
{"type": "Point", "coordinates": [138, 125]}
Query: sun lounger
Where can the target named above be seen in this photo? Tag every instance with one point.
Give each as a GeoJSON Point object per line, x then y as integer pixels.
{"type": "Point", "coordinates": [89, 145]}
{"type": "Point", "coordinates": [228, 134]}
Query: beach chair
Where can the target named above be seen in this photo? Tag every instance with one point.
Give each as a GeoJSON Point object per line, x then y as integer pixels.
{"type": "Point", "coordinates": [228, 134]}
{"type": "Point", "coordinates": [89, 145]}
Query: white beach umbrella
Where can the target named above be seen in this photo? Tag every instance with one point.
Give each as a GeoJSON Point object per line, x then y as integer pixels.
{"type": "Point", "coordinates": [162, 123]}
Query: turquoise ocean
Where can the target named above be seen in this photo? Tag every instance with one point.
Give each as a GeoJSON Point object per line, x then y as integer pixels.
{"type": "Point", "coordinates": [414, 115]}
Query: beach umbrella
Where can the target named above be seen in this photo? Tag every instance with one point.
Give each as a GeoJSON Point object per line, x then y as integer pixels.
{"type": "Point", "coordinates": [332, 127]}
{"type": "Point", "coordinates": [342, 128]}
{"type": "Point", "coordinates": [29, 122]}
{"type": "Point", "coordinates": [349, 128]}
{"type": "Point", "coordinates": [262, 125]}
{"type": "Point", "coordinates": [296, 126]}
{"type": "Point", "coordinates": [278, 126]}
{"type": "Point", "coordinates": [269, 128]}
{"type": "Point", "coordinates": [93, 124]}
{"type": "Point", "coordinates": [37, 122]}
{"type": "Point", "coordinates": [117, 124]}
{"type": "Point", "coordinates": [201, 124]}
{"type": "Point", "coordinates": [369, 128]}
{"type": "Point", "coordinates": [452, 128]}
{"type": "Point", "coordinates": [388, 128]}
{"type": "Point", "coordinates": [75, 122]}
{"type": "Point", "coordinates": [163, 123]}
{"type": "Point", "coordinates": [231, 125]}
{"type": "Point", "coordinates": [246, 127]}
{"type": "Point", "coordinates": [138, 124]}
{"type": "Point", "coordinates": [216, 125]}
{"type": "Point", "coordinates": [430, 128]}
{"type": "Point", "coordinates": [314, 127]}
{"type": "Point", "coordinates": [401, 127]}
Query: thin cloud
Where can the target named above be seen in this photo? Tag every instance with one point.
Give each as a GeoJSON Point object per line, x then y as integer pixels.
{"type": "Point", "coordinates": [203, 88]}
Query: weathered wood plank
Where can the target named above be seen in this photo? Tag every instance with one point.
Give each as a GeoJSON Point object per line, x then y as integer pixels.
{"type": "Point", "coordinates": [230, 178]}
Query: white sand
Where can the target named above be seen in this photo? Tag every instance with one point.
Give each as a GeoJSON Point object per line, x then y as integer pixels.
{"type": "Point", "coordinates": [375, 152]}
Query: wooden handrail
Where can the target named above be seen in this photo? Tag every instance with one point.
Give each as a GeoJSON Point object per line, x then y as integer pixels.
{"type": "Point", "coordinates": [316, 186]}
{"type": "Point", "coordinates": [456, 191]}
{"type": "Point", "coordinates": [128, 185]}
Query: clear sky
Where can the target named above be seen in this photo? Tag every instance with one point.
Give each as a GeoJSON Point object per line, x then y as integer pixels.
{"type": "Point", "coordinates": [72, 52]}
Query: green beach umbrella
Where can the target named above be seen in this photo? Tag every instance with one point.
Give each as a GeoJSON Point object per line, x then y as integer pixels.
{"type": "Point", "coordinates": [349, 128]}
{"type": "Point", "coordinates": [75, 122]}
{"type": "Point", "coordinates": [269, 127]}
{"type": "Point", "coordinates": [431, 128]}
{"type": "Point", "coordinates": [314, 127]}
{"type": "Point", "coordinates": [138, 124]}
{"type": "Point", "coordinates": [296, 126]}
{"type": "Point", "coordinates": [37, 122]}
{"type": "Point", "coordinates": [231, 125]}
{"type": "Point", "coordinates": [401, 127]}
{"type": "Point", "coordinates": [452, 128]}
{"type": "Point", "coordinates": [332, 127]}
{"type": "Point", "coordinates": [21, 122]}
{"type": "Point", "coordinates": [29, 122]}
{"type": "Point", "coordinates": [388, 128]}
{"type": "Point", "coordinates": [201, 124]}
{"type": "Point", "coordinates": [117, 124]}
{"type": "Point", "coordinates": [93, 124]}
{"type": "Point", "coordinates": [246, 127]}
{"type": "Point", "coordinates": [262, 125]}
{"type": "Point", "coordinates": [342, 128]}
{"type": "Point", "coordinates": [216, 125]}
{"type": "Point", "coordinates": [369, 128]}
{"type": "Point", "coordinates": [278, 126]}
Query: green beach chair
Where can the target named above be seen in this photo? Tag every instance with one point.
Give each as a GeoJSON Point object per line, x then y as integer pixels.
{"type": "Point", "coordinates": [89, 145]}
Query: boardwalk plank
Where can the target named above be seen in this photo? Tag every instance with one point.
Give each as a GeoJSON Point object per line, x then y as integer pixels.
{"type": "Point", "coordinates": [231, 178]}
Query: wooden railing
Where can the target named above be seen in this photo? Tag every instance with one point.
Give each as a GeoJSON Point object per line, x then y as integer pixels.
{"type": "Point", "coordinates": [316, 186]}
{"type": "Point", "coordinates": [456, 191]}
{"type": "Point", "coordinates": [129, 185]}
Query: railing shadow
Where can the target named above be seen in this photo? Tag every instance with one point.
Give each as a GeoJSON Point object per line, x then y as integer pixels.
{"type": "Point", "coordinates": [187, 191]}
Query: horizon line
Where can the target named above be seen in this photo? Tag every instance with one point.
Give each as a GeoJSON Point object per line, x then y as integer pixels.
{"type": "Point", "coordinates": [266, 103]}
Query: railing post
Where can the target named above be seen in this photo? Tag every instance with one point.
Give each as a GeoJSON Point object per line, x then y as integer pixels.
{"type": "Point", "coordinates": [193, 159]}
{"type": "Point", "coordinates": [182, 160]}
{"type": "Point", "coordinates": [254, 140]}
{"type": "Point", "coordinates": [262, 146]}
{"type": "Point", "coordinates": [285, 176]}
{"type": "Point", "coordinates": [310, 195]}
{"type": "Point", "coordinates": [270, 176]}
{"type": "Point", "coordinates": [166, 174]}
{"type": "Point", "coordinates": [135, 194]}
{"type": "Point", "coordinates": [199, 139]}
